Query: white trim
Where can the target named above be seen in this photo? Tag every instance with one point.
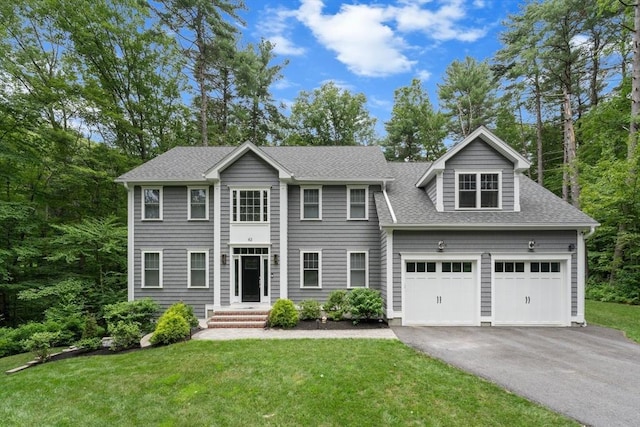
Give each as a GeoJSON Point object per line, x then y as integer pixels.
{"type": "Point", "coordinates": [235, 220]}
{"type": "Point", "coordinates": [302, 190]}
{"type": "Point", "coordinates": [143, 268]}
{"type": "Point", "coordinates": [206, 268]}
{"type": "Point", "coordinates": [284, 240]}
{"type": "Point", "coordinates": [563, 257]}
{"type": "Point", "coordinates": [386, 199]}
{"type": "Point", "coordinates": [478, 173]}
{"type": "Point", "coordinates": [440, 191]}
{"type": "Point", "coordinates": [310, 251]}
{"type": "Point", "coordinates": [581, 272]}
{"type": "Point", "coordinates": [366, 267]}
{"type": "Point", "coordinates": [143, 212]}
{"type": "Point", "coordinates": [216, 244]}
{"type": "Point", "coordinates": [214, 172]}
{"type": "Point", "coordinates": [516, 191]}
{"type": "Point", "coordinates": [389, 267]}
{"type": "Point", "coordinates": [366, 202]}
{"type": "Point", "coordinates": [131, 242]}
{"type": "Point", "coordinates": [431, 256]}
{"type": "Point", "coordinates": [206, 204]}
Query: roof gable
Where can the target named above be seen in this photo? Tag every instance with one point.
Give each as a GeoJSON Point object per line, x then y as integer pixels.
{"type": "Point", "coordinates": [214, 172]}
{"type": "Point", "coordinates": [520, 164]}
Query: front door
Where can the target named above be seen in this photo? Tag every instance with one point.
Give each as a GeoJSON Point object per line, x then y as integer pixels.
{"type": "Point", "coordinates": [250, 279]}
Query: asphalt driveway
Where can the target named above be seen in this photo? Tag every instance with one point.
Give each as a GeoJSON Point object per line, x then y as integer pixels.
{"type": "Point", "coordinates": [590, 374]}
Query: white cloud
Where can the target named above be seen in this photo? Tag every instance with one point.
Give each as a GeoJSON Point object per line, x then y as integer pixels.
{"type": "Point", "coordinates": [381, 103]}
{"type": "Point", "coordinates": [284, 46]}
{"type": "Point", "coordinates": [340, 84]}
{"type": "Point", "coordinates": [276, 27]}
{"type": "Point", "coordinates": [283, 84]}
{"type": "Point", "coordinates": [423, 75]}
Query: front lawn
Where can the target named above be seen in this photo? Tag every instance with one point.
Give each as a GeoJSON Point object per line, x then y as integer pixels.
{"type": "Point", "coordinates": [618, 316]}
{"type": "Point", "coordinates": [261, 382]}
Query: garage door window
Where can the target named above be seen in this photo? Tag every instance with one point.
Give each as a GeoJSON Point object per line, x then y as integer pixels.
{"type": "Point", "coordinates": [509, 267]}
{"type": "Point", "coordinates": [456, 267]}
{"type": "Point", "coordinates": [421, 267]}
{"type": "Point", "coordinates": [545, 267]}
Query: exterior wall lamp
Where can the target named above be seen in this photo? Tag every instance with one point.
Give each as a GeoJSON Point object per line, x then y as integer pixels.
{"type": "Point", "coordinates": [441, 245]}
{"type": "Point", "coordinates": [276, 259]}
{"type": "Point", "coordinates": [223, 259]}
{"type": "Point", "coordinates": [572, 247]}
{"type": "Point", "coordinates": [532, 245]}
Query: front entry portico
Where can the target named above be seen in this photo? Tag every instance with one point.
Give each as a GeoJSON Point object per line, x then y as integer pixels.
{"type": "Point", "coordinates": [250, 275]}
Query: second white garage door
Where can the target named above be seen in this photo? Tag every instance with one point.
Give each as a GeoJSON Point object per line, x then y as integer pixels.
{"type": "Point", "coordinates": [441, 293]}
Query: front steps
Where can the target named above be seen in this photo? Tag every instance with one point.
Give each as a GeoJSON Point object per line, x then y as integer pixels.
{"type": "Point", "coordinates": [238, 319]}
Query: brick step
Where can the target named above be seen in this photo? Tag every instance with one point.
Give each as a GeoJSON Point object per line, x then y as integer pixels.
{"type": "Point", "coordinates": [239, 318]}
{"type": "Point", "coordinates": [237, 324]}
{"type": "Point", "coordinates": [240, 312]}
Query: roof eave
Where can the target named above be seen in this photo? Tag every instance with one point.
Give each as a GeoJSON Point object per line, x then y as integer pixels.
{"type": "Point", "coordinates": [492, 226]}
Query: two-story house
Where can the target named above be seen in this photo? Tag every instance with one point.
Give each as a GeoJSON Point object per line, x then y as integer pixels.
{"type": "Point", "coordinates": [465, 240]}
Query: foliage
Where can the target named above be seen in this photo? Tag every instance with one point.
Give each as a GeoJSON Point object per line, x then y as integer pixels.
{"type": "Point", "coordinates": [12, 339]}
{"type": "Point", "coordinates": [40, 344]}
{"type": "Point", "coordinates": [186, 311]}
{"type": "Point", "coordinates": [364, 304]}
{"type": "Point", "coordinates": [141, 312]}
{"type": "Point", "coordinates": [337, 304]}
{"type": "Point", "coordinates": [91, 328]}
{"type": "Point", "coordinates": [89, 343]}
{"type": "Point", "coordinates": [613, 315]}
{"type": "Point", "coordinates": [309, 309]}
{"type": "Point", "coordinates": [125, 335]}
{"type": "Point", "coordinates": [283, 314]}
{"type": "Point", "coordinates": [171, 328]}
{"type": "Point", "coordinates": [624, 293]}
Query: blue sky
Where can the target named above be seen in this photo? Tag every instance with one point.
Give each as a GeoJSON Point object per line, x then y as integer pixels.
{"type": "Point", "coordinates": [374, 47]}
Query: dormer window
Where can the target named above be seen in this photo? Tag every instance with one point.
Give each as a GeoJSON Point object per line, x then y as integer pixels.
{"type": "Point", "coordinates": [478, 190]}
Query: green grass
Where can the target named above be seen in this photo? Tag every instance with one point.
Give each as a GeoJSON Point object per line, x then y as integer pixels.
{"type": "Point", "coordinates": [618, 316]}
{"type": "Point", "coordinates": [261, 382]}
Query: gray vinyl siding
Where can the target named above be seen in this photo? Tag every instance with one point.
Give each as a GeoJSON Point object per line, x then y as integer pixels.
{"type": "Point", "coordinates": [478, 155]}
{"type": "Point", "coordinates": [334, 235]}
{"type": "Point", "coordinates": [173, 236]}
{"type": "Point", "coordinates": [432, 190]}
{"type": "Point", "coordinates": [484, 243]}
{"type": "Point", "coordinates": [383, 266]}
{"type": "Point", "coordinates": [247, 172]}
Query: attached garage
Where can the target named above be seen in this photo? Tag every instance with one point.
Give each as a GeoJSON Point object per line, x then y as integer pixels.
{"type": "Point", "coordinates": [441, 292]}
{"type": "Point", "coordinates": [531, 292]}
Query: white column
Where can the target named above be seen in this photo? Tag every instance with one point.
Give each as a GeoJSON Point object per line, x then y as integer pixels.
{"type": "Point", "coordinates": [216, 244]}
{"type": "Point", "coordinates": [389, 267]}
{"type": "Point", "coordinates": [284, 239]}
{"type": "Point", "coordinates": [580, 259]}
{"type": "Point", "coordinates": [130, 242]}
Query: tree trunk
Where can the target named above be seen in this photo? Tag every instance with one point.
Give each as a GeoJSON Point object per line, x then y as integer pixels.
{"type": "Point", "coordinates": [570, 144]}
{"type": "Point", "coordinates": [539, 151]}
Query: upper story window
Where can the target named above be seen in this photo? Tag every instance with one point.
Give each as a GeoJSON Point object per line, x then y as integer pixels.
{"type": "Point", "coordinates": [152, 203]}
{"type": "Point", "coordinates": [310, 202]}
{"type": "Point", "coordinates": [250, 205]}
{"type": "Point", "coordinates": [198, 203]}
{"type": "Point", "coordinates": [478, 190]}
{"type": "Point", "coordinates": [357, 206]}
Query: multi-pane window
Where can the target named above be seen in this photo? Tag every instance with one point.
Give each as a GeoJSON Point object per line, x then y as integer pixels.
{"type": "Point", "coordinates": [151, 203]}
{"type": "Point", "coordinates": [311, 203]}
{"type": "Point", "coordinates": [478, 190]}
{"type": "Point", "coordinates": [198, 262]}
{"type": "Point", "coordinates": [151, 269]}
{"type": "Point", "coordinates": [357, 270]}
{"type": "Point", "coordinates": [250, 205]}
{"type": "Point", "coordinates": [357, 203]}
{"type": "Point", "coordinates": [198, 203]}
{"type": "Point", "coordinates": [311, 270]}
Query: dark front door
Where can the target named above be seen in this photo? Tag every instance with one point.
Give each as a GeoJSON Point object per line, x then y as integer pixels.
{"type": "Point", "coordinates": [250, 279]}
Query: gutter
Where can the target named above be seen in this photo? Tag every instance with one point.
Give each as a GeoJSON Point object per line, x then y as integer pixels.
{"type": "Point", "coordinates": [386, 198]}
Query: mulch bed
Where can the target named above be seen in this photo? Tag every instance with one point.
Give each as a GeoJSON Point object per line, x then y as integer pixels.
{"type": "Point", "coordinates": [308, 325]}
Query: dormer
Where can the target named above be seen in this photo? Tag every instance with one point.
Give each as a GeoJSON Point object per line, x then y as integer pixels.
{"type": "Point", "coordinates": [481, 173]}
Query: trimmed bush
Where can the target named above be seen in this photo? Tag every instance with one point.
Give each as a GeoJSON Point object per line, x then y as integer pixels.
{"type": "Point", "coordinates": [172, 327]}
{"type": "Point", "coordinates": [143, 312]}
{"type": "Point", "coordinates": [310, 309]}
{"type": "Point", "coordinates": [337, 305]}
{"type": "Point", "coordinates": [90, 343]}
{"type": "Point", "coordinates": [364, 303]}
{"type": "Point", "coordinates": [125, 335]}
{"type": "Point", "coordinates": [283, 314]}
{"type": "Point", "coordinates": [186, 311]}
{"type": "Point", "coordinates": [91, 328]}
{"type": "Point", "coordinates": [40, 344]}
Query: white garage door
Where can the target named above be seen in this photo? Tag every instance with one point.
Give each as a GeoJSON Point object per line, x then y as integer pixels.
{"type": "Point", "coordinates": [440, 293]}
{"type": "Point", "coordinates": [530, 293]}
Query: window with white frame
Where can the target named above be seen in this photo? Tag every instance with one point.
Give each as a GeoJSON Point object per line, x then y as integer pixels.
{"type": "Point", "coordinates": [478, 190]}
{"type": "Point", "coordinates": [250, 205]}
{"type": "Point", "coordinates": [358, 270]}
{"type": "Point", "coordinates": [311, 269]}
{"type": "Point", "coordinates": [152, 203]}
{"type": "Point", "coordinates": [357, 202]}
{"type": "Point", "coordinates": [151, 269]}
{"type": "Point", "coordinates": [198, 203]}
{"type": "Point", "coordinates": [310, 202]}
{"type": "Point", "coordinates": [198, 269]}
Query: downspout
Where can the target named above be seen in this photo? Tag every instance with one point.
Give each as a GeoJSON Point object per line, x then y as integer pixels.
{"type": "Point", "coordinates": [386, 198]}
{"type": "Point", "coordinates": [585, 236]}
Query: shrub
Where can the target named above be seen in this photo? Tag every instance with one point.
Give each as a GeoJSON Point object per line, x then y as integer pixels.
{"type": "Point", "coordinates": [143, 312]}
{"type": "Point", "coordinates": [40, 344]}
{"type": "Point", "coordinates": [283, 314]}
{"type": "Point", "coordinates": [91, 328]}
{"type": "Point", "coordinates": [309, 309]}
{"type": "Point", "coordinates": [184, 310]}
{"type": "Point", "coordinates": [125, 335]}
{"type": "Point", "coordinates": [364, 303]}
{"type": "Point", "coordinates": [90, 343]}
{"type": "Point", "coordinates": [172, 327]}
{"type": "Point", "coordinates": [337, 305]}
{"type": "Point", "coordinates": [606, 292]}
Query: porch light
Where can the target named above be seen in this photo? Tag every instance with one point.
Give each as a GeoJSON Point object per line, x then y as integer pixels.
{"type": "Point", "coordinates": [532, 245]}
{"type": "Point", "coordinates": [572, 247]}
{"type": "Point", "coordinates": [276, 259]}
{"type": "Point", "coordinates": [223, 259]}
{"type": "Point", "coordinates": [441, 245]}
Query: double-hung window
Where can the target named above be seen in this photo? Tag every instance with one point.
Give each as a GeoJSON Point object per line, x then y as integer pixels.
{"type": "Point", "coordinates": [311, 269]}
{"type": "Point", "coordinates": [357, 202]}
{"type": "Point", "coordinates": [358, 270]}
{"type": "Point", "coordinates": [478, 190]}
{"type": "Point", "coordinates": [198, 203]}
{"type": "Point", "coordinates": [152, 203]}
{"type": "Point", "coordinates": [250, 205]}
{"type": "Point", "coordinates": [151, 269]}
{"type": "Point", "coordinates": [198, 269]}
{"type": "Point", "coordinates": [310, 202]}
